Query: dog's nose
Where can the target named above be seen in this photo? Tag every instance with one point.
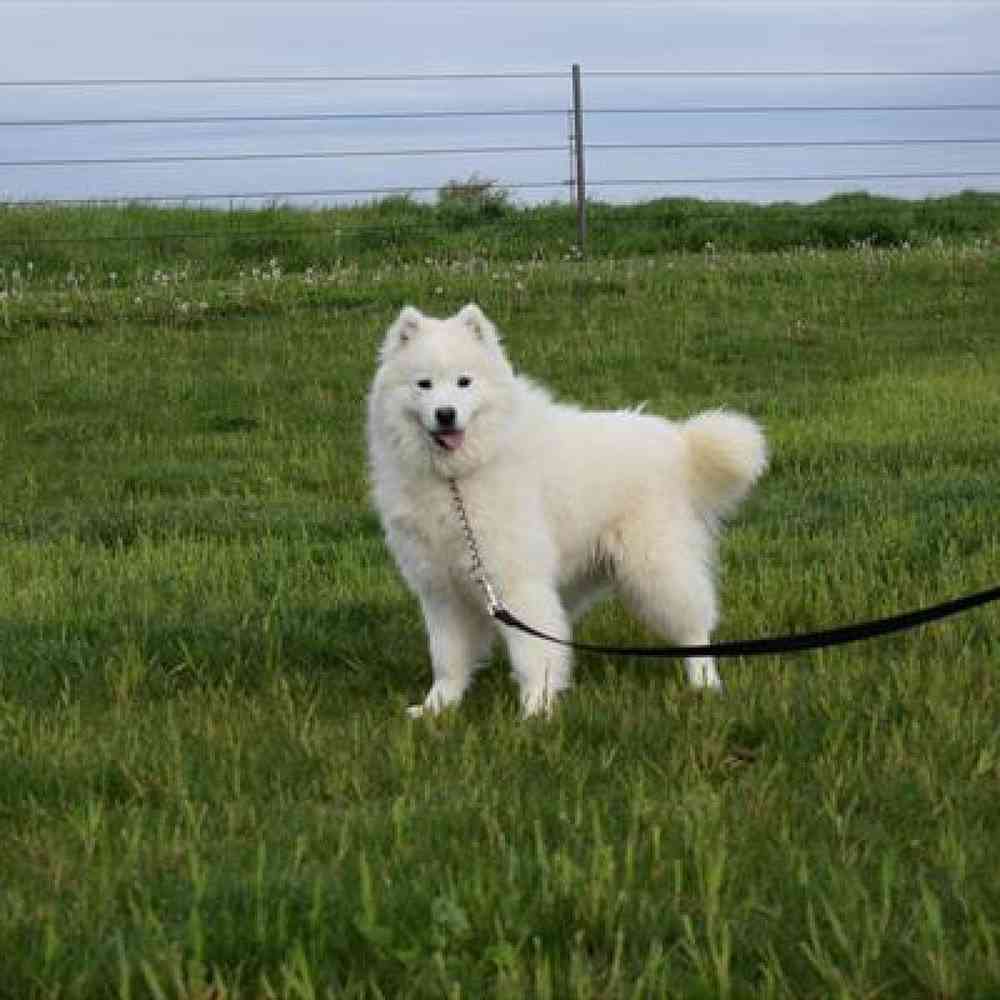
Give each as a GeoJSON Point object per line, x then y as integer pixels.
{"type": "Point", "coordinates": [445, 416]}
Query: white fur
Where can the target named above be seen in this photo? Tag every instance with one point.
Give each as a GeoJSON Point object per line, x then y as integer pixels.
{"type": "Point", "coordinates": [566, 504]}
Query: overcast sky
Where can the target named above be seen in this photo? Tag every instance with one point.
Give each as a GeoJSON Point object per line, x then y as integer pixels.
{"type": "Point", "coordinates": [79, 38]}
{"type": "Point", "coordinates": [141, 39]}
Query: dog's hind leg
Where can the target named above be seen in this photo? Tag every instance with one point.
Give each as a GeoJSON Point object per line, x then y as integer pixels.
{"type": "Point", "coordinates": [664, 576]}
{"type": "Point", "coordinates": [460, 641]}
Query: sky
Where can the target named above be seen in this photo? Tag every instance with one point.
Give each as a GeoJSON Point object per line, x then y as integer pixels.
{"type": "Point", "coordinates": [77, 41]}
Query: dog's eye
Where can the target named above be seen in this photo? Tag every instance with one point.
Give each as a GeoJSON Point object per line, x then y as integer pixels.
{"type": "Point", "coordinates": [425, 383]}
{"type": "Point", "coordinates": [464, 382]}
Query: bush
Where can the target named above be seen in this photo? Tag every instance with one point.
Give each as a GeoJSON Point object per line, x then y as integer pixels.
{"type": "Point", "coordinates": [474, 190]}
{"type": "Point", "coordinates": [464, 203]}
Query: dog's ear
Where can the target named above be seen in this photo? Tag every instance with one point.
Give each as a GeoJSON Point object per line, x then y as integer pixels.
{"type": "Point", "coordinates": [473, 319]}
{"type": "Point", "coordinates": [406, 327]}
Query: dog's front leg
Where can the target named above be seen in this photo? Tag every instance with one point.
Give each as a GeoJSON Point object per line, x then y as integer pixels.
{"type": "Point", "coordinates": [542, 669]}
{"type": "Point", "coordinates": [460, 638]}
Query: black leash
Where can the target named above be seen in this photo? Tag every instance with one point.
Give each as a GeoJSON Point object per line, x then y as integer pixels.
{"type": "Point", "coordinates": [795, 643]}
{"type": "Point", "coordinates": [769, 645]}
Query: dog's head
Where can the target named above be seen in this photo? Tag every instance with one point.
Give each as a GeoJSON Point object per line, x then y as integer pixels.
{"type": "Point", "coordinates": [442, 384]}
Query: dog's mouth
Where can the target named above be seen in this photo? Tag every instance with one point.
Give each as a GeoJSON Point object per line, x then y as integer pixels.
{"type": "Point", "coordinates": [450, 440]}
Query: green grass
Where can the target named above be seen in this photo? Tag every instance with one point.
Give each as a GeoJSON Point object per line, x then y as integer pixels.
{"type": "Point", "coordinates": [110, 245]}
{"type": "Point", "coordinates": [208, 785]}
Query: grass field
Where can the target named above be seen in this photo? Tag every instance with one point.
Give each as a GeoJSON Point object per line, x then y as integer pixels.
{"type": "Point", "coordinates": [208, 786]}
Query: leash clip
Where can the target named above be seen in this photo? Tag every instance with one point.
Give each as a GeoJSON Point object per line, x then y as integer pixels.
{"type": "Point", "coordinates": [493, 603]}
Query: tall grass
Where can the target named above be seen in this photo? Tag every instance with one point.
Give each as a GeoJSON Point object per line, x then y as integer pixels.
{"type": "Point", "coordinates": [208, 785]}
{"type": "Point", "coordinates": [474, 218]}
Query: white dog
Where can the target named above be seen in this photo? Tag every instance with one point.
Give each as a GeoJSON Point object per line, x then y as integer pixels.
{"type": "Point", "coordinates": [565, 504]}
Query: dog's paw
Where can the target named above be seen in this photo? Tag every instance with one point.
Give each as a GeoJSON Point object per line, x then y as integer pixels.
{"type": "Point", "coordinates": [538, 703]}
{"type": "Point", "coordinates": [442, 695]}
{"type": "Point", "coordinates": [702, 675]}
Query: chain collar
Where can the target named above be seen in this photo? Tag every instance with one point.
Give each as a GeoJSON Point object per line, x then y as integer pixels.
{"type": "Point", "coordinates": [477, 571]}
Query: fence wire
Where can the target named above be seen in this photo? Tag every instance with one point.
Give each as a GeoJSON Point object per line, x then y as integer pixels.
{"type": "Point", "coordinates": [502, 75]}
{"type": "Point", "coordinates": [492, 150]}
{"type": "Point", "coordinates": [352, 116]}
{"type": "Point", "coordinates": [408, 190]}
{"type": "Point", "coordinates": [610, 180]}
{"type": "Point", "coordinates": [324, 222]}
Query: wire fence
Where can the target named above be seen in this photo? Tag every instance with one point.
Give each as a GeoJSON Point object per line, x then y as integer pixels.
{"type": "Point", "coordinates": [342, 139]}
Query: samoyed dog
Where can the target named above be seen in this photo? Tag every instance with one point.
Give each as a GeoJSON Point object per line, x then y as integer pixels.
{"type": "Point", "coordinates": [565, 505]}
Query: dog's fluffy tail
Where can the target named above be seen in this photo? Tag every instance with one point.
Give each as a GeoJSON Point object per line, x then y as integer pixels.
{"type": "Point", "coordinates": [726, 454]}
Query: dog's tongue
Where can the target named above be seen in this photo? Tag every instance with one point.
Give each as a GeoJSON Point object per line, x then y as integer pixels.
{"type": "Point", "coordinates": [450, 440]}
